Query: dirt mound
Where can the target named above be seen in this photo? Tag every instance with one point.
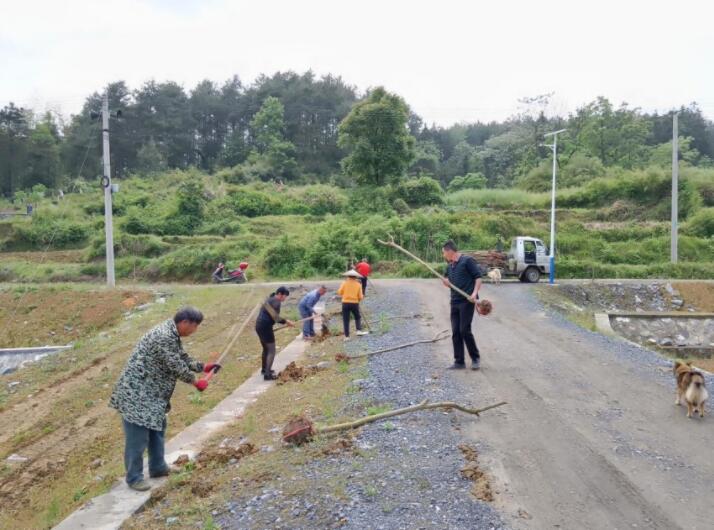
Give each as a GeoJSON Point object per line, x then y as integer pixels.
{"type": "Point", "coordinates": [339, 446]}
{"type": "Point", "coordinates": [481, 488]}
{"type": "Point", "coordinates": [225, 453]}
{"type": "Point", "coordinates": [13, 489]}
{"type": "Point", "coordinates": [182, 460]}
{"type": "Point", "coordinates": [294, 372]}
{"type": "Point", "coordinates": [326, 334]}
{"type": "Point", "coordinates": [57, 316]}
{"type": "Point", "coordinates": [298, 431]}
{"type": "Point", "coordinates": [201, 487]}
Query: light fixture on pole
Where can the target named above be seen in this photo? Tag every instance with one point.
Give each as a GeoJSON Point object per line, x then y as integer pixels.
{"type": "Point", "coordinates": [551, 257]}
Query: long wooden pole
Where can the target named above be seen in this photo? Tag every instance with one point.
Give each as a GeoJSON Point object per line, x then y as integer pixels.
{"type": "Point", "coordinates": [424, 405]}
{"type": "Point", "coordinates": [245, 322]}
{"type": "Point", "coordinates": [392, 244]}
{"type": "Point", "coordinates": [439, 336]}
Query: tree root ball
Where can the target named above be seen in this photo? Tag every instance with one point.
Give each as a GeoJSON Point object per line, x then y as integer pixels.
{"type": "Point", "coordinates": [484, 307]}
{"type": "Point", "coordinates": [298, 431]}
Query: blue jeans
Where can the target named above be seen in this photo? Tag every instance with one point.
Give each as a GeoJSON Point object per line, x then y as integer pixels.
{"type": "Point", "coordinates": [308, 327]}
{"type": "Point", "coordinates": [136, 440]}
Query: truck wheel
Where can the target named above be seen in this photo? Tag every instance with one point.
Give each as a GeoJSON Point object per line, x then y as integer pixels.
{"type": "Point", "coordinates": [532, 275]}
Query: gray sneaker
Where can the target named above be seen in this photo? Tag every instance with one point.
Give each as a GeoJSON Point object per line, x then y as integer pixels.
{"type": "Point", "coordinates": [140, 485]}
{"type": "Point", "coordinates": [476, 365]}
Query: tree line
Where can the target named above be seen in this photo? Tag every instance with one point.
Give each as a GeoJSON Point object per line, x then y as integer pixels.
{"type": "Point", "coordinates": [298, 127]}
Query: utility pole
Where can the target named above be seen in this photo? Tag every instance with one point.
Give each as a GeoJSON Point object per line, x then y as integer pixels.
{"type": "Point", "coordinates": [675, 186]}
{"type": "Point", "coordinates": [107, 183]}
{"type": "Point", "coordinates": [551, 256]}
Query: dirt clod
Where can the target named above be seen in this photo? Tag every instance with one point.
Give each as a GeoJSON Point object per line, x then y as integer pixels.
{"type": "Point", "coordinates": [201, 487]}
{"type": "Point", "coordinates": [340, 445]}
{"type": "Point", "coordinates": [481, 488]}
{"type": "Point", "coordinates": [298, 431]}
{"type": "Point", "coordinates": [182, 460]}
{"type": "Point", "coordinates": [222, 455]}
{"type": "Point", "coordinates": [342, 357]}
{"type": "Point", "coordinates": [294, 372]}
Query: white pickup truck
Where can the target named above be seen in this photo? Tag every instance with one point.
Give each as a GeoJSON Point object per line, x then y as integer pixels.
{"type": "Point", "coordinates": [527, 259]}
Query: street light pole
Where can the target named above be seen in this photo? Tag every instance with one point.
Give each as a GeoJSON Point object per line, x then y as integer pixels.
{"type": "Point", "coordinates": [551, 257]}
{"type": "Point", "coordinates": [675, 189]}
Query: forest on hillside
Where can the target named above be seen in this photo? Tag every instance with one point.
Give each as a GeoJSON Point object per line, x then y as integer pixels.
{"type": "Point", "coordinates": [293, 128]}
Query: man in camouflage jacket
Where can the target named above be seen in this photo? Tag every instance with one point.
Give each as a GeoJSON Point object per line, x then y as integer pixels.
{"type": "Point", "coordinates": [143, 392]}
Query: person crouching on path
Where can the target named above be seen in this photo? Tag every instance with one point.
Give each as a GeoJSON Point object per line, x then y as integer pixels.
{"type": "Point", "coordinates": [306, 307]}
{"type": "Point", "coordinates": [351, 293]}
{"type": "Point", "coordinates": [270, 315]}
{"type": "Point", "coordinates": [143, 392]}
{"type": "Point", "coordinates": [365, 270]}
{"type": "Point", "coordinates": [463, 272]}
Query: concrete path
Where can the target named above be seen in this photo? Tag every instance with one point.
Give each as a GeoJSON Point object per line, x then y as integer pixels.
{"type": "Point", "coordinates": [109, 511]}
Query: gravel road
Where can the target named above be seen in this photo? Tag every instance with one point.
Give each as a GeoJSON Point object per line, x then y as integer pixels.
{"type": "Point", "coordinates": [590, 439]}
{"type": "Point", "coordinates": [406, 473]}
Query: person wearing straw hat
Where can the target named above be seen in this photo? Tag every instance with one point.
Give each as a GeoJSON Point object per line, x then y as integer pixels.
{"type": "Point", "coordinates": [352, 295]}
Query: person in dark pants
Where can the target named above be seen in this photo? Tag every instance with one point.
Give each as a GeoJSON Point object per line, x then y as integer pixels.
{"type": "Point", "coordinates": [364, 268]}
{"type": "Point", "coordinates": [270, 315]}
{"type": "Point", "coordinates": [463, 272]}
{"type": "Point", "coordinates": [143, 392]}
{"type": "Point", "coordinates": [351, 293]}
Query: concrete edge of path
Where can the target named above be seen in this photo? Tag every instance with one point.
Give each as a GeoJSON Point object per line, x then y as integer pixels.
{"type": "Point", "coordinates": [110, 510]}
{"type": "Point", "coordinates": [602, 324]}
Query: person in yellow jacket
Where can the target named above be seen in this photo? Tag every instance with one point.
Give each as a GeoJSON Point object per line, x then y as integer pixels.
{"type": "Point", "coordinates": [352, 295]}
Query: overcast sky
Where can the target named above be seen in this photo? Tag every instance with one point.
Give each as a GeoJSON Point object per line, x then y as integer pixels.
{"type": "Point", "coordinates": [451, 60]}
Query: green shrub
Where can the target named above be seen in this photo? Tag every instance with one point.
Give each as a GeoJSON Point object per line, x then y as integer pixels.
{"type": "Point", "coordinates": [284, 258]}
{"type": "Point", "coordinates": [651, 187]}
{"type": "Point", "coordinates": [566, 268]}
{"type": "Point", "coordinates": [701, 224]}
{"type": "Point", "coordinates": [96, 207]}
{"type": "Point", "coordinates": [417, 270]}
{"type": "Point", "coordinates": [470, 181]}
{"type": "Point", "coordinates": [221, 226]}
{"type": "Point", "coordinates": [321, 199]}
{"type": "Point", "coordinates": [400, 206]}
{"type": "Point", "coordinates": [128, 245]}
{"type": "Point", "coordinates": [497, 198]}
{"type": "Point", "coordinates": [579, 170]}
{"type": "Point", "coordinates": [49, 230]}
{"type": "Point", "coordinates": [421, 191]}
{"type": "Point", "coordinates": [139, 221]}
{"type": "Point", "coordinates": [370, 199]}
{"type": "Point", "coordinates": [251, 203]}
{"type": "Point", "coordinates": [235, 175]}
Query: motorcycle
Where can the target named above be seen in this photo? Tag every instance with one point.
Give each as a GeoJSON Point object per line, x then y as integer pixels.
{"type": "Point", "coordinates": [233, 276]}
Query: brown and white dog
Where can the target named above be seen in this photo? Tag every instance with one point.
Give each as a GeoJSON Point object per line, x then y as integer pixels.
{"type": "Point", "coordinates": [690, 385]}
{"type": "Point", "coordinates": [494, 275]}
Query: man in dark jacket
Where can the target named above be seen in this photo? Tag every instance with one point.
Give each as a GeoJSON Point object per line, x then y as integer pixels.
{"type": "Point", "coordinates": [463, 272]}
{"type": "Point", "coordinates": [143, 392]}
{"type": "Point", "coordinates": [269, 316]}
